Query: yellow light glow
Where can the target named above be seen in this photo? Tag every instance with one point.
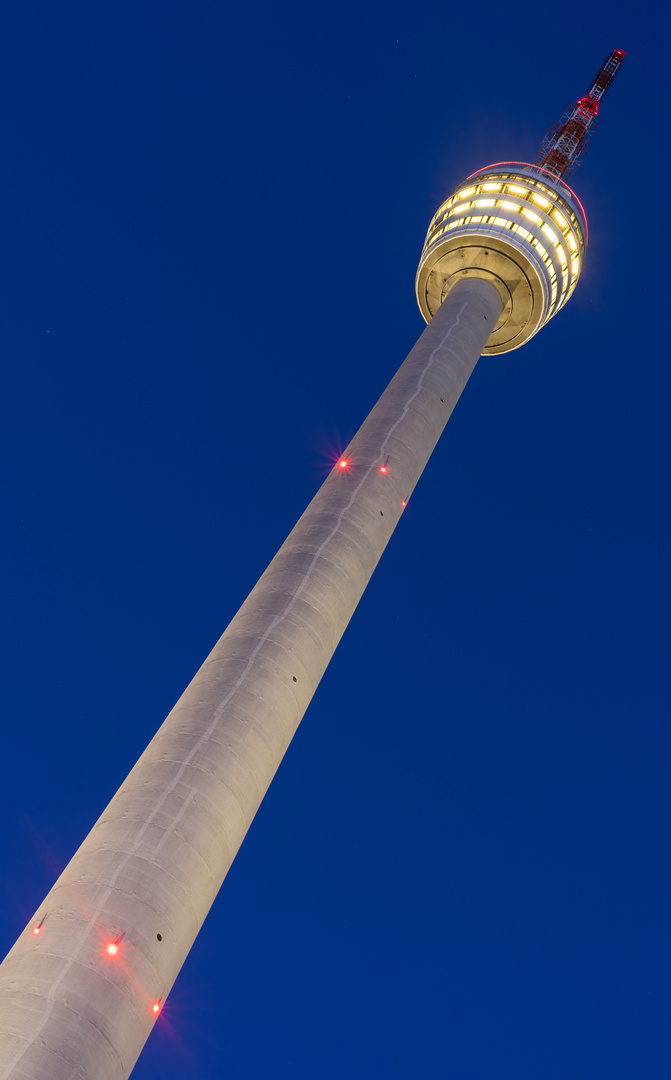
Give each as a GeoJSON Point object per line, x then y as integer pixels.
{"type": "Point", "coordinates": [478, 218]}
{"type": "Point", "coordinates": [571, 242]}
{"type": "Point", "coordinates": [492, 187]}
{"type": "Point", "coordinates": [560, 219]}
{"type": "Point", "coordinates": [516, 189]}
{"type": "Point", "coordinates": [465, 193]}
{"type": "Point", "coordinates": [532, 217]}
{"type": "Point", "coordinates": [562, 255]}
{"type": "Point", "coordinates": [484, 202]}
{"type": "Point", "coordinates": [453, 225]}
{"type": "Point", "coordinates": [524, 233]}
{"type": "Point", "coordinates": [541, 250]}
{"type": "Point", "coordinates": [510, 206]}
{"type": "Point", "coordinates": [551, 233]}
{"type": "Point", "coordinates": [540, 200]}
{"type": "Point", "coordinates": [460, 209]}
{"type": "Point", "coordinates": [575, 266]}
{"type": "Point", "coordinates": [500, 221]}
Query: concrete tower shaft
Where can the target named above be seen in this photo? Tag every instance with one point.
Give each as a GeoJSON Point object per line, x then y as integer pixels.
{"type": "Point", "coordinates": [81, 988]}
{"type": "Point", "coordinates": [520, 228]}
{"type": "Point", "coordinates": [84, 983]}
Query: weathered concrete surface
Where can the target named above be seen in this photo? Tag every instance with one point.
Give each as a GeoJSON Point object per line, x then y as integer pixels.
{"type": "Point", "coordinates": [153, 863]}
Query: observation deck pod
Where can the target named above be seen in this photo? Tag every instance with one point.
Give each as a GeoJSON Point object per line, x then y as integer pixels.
{"type": "Point", "coordinates": [517, 226]}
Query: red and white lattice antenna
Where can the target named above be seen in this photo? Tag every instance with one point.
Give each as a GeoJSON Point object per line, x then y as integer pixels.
{"type": "Point", "coordinates": [566, 143]}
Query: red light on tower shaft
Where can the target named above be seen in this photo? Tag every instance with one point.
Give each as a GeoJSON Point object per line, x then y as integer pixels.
{"type": "Point", "coordinates": [37, 930]}
{"type": "Point", "coordinates": [156, 1008]}
{"type": "Point", "coordinates": [112, 946]}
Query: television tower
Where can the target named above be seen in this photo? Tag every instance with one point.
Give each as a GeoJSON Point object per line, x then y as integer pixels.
{"type": "Point", "coordinates": [88, 976]}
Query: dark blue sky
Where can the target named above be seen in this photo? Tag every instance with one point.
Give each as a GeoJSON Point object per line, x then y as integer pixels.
{"type": "Point", "coordinates": [211, 222]}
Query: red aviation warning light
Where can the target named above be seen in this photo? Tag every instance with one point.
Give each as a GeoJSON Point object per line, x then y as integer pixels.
{"type": "Point", "coordinates": [567, 141]}
{"type": "Point", "coordinates": [112, 947]}
{"type": "Point", "coordinates": [156, 1008]}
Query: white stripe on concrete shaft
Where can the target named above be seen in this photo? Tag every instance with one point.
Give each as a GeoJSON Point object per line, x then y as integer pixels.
{"type": "Point", "coordinates": [108, 1012]}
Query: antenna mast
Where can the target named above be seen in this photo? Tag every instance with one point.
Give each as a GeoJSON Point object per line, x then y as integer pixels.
{"type": "Point", "coordinates": [566, 143]}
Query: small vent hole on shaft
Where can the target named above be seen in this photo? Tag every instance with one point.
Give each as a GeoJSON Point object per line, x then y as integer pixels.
{"type": "Point", "coordinates": [294, 678]}
{"type": "Point", "coordinates": [159, 937]}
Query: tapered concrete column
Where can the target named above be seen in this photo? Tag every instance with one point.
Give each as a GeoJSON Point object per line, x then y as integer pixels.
{"type": "Point", "coordinates": [146, 875]}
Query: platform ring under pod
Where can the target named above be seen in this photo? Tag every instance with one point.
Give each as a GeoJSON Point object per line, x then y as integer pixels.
{"type": "Point", "coordinates": [517, 226]}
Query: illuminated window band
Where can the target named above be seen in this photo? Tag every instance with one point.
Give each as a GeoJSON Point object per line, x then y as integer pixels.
{"type": "Point", "coordinates": [520, 205]}
{"type": "Point", "coordinates": [565, 238]}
